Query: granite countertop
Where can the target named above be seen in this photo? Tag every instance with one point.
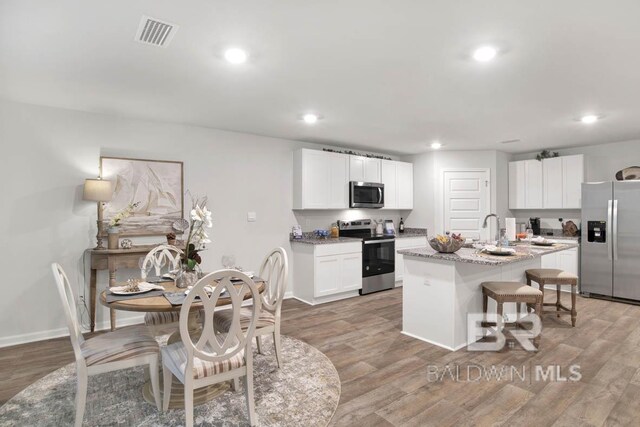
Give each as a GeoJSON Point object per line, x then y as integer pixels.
{"type": "Point", "coordinates": [309, 238]}
{"type": "Point", "coordinates": [412, 232]}
{"type": "Point", "coordinates": [474, 257]}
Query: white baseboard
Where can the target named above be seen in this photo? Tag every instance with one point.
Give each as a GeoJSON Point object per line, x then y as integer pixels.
{"type": "Point", "coordinates": [64, 332]}
{"type": "Point", "coordinates": [329, 298]}
{"type": "Point", "coordinates": [433, 342]}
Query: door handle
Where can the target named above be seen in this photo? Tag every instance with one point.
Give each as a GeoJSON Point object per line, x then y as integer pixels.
{"type": "Point", "coordinates": [372, 242]}
{"type": "Point", "coordinates": [615, 230]}
{"type": "Point", "coordinates": [609, 228]}
{"type": "Point", "coordinates": [379, 195]}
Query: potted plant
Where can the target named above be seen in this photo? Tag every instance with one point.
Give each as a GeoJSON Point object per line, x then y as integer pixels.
{"type": "Point", "coordinates": [198, 238]}
{"type": "Point", "coordinates": [171, 239]}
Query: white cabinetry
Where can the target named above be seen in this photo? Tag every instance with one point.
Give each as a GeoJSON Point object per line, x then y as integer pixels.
{"type": "Point", "coordinates": [364, 169]}
{"type": "Point", "coordinates": [397, 178]}
{"type": "Point", "coordinates": [553, 183]}
{"type": "Point", "coordinates": [320, 180]}
{"type": "Point", "coordinates": [567, 260]}
{"type": "Point", "coordinates": [525, 184]}
{"type": "Point", "coordinates": [406, 243]}
{"type": "Point", "coordinates": [327, 272]}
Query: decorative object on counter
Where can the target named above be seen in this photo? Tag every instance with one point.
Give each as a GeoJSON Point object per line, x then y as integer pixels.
{"type": "Point", "coordinates": [296, 231]}
{"type": "Point", "coordinates": [379, 227]}
{"type": "Point", "coordinates": [570, 229]}
{"type": "Point", "coordinates": [389, 228]}
{"type": "Point", "coordinates": [171, 239]}
{"type": "Point", "coordinates": [499, 250]}
{"type": "Point", "coordinates": [510, 224]}
{"type": "Point", "coordinates": [335, 231]}
{"type": "Point", "coordinates": [631, 173]}
{"type": "Point", "coordinates": [196, 242]}
{"type": "Point", "coordinates": [321, 234]}
{"type": "Point", "coordinates": [447, 244]}
{"type": "Point", "coordinates": [546, 154]}
{"type": "Point", "coordinates": [158, 184]}
{"type": "Point", "coordinates": [126, 244]}
{"type": "Point", "coordinates": [401, 226]}
{"type": "Point", "coordinates": [354, 153]}
{"type": "Point", "coordinates": [98, 190]}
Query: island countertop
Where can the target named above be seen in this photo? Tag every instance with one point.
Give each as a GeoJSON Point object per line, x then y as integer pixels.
{"type": "Point", "coordinates": [473, 256]}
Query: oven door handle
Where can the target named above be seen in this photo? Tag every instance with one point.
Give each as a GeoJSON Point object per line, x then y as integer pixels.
{"type": "Point", "coordinates": [371, 242]}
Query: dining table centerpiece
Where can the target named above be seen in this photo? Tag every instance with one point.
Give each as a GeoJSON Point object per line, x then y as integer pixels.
{"type": "Point", "coordinates": [197, 240]}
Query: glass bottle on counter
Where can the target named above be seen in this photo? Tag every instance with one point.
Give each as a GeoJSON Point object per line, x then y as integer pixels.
{"type": "Point", "coordinates": [401, 226]}
{"type": "Point", "coordinates": [335, 231]}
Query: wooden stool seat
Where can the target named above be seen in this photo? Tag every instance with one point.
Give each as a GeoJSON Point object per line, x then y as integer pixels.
{"type": "Point", "coordinates": [554, 276]}
{"type": "Point", "coordinates": [515, 292]}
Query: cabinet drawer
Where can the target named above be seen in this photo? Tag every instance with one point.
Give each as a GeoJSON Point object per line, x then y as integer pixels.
{"type": "Point", "coordinates": [411, 242]}
{"type": "Point", "coordinates": [338, 248]}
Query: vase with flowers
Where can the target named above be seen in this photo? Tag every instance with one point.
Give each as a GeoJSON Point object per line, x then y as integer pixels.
{"type": "Point", "coordinates": [196, 242]}
{"type": "Point", "coordinates": [113, 232]}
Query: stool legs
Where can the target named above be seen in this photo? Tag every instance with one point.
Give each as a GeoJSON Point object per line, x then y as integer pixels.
{"type": "Point", "coordinates": [558, 303]}
{"type": "Point", "coordinates": [574, 313]}
{"type": "Point", "coordinates": [536, 340]}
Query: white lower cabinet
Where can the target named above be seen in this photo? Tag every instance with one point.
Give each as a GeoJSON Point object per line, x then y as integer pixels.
{"type": "Point", "coordinates": [406, 243]}
{"type": "Point", "coordinates": [567, 260]}
{"type": "Point", "coordinates": [326, 272]}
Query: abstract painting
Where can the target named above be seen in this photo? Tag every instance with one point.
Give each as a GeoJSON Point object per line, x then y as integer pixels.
{"type": "Point", "coordinates": [157, 187]}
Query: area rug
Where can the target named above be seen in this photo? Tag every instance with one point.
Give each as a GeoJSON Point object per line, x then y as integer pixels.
{"type": "Point", "coordinates": [305, 392]}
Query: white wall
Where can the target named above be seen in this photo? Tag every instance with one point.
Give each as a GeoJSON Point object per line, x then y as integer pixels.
{"type": "Point", "coordinates": [48, 153]}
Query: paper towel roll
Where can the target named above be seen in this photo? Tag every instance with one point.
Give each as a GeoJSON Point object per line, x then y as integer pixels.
{"type": "Point", "coordinates": [510, 225]}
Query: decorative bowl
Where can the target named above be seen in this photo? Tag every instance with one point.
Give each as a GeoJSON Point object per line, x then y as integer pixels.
{"type": "Point", "coordinates": [451, 246]}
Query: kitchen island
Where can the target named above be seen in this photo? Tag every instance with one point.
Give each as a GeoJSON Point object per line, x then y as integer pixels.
{"type": "Point", "coordinates": [441, 290]}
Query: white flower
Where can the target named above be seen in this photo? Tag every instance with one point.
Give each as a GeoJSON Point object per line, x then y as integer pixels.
{"type": "Point", "coordinates": [203, 215]}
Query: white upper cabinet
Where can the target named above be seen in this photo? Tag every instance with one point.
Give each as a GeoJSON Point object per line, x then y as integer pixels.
{"type": "Point", "coordinates": [320, 180]}
{"type": "Point", "coordinates": [365, 169]}
{"type": "Point", "coordinates": [554, 183]}
{"type": "Point", "coordinates": [572, 179]}
{"type": "Point", "coordinates": [525, 184]}
{"type": "Point", "coordinates": [397, 178]}
{"type": "Point", "coordinates": [552, 179]}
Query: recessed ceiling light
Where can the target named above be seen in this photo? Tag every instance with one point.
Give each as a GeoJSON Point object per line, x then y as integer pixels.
{"type": "Point", "coordinates": [436, 145]}
{"type": "Point", "coordinates": [235, 55]}
{"type": "Point", "coordinates": [310, 118]}
{"type": "Point", "coordinates": [485, 53]}
{"type": "Point", "coordinates": [589, 118]}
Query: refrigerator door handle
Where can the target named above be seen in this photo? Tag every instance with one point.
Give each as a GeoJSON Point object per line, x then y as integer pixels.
{"type": "Point", "coordinates": [615, 230]}
{"type": "Point", "coordinates": [609, 226]}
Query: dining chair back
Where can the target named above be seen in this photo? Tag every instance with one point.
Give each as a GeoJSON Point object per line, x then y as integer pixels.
{"type": "Point", "coordinates": [122, 349]}
{"type": "Point", "coordinates": [70, 309]}
{"type": "Point", "coordinates": [274, 271]}
{"type": "Point", "coordinates": [158, 257]}
{"type": "Point", "coordinates": [206, 356]}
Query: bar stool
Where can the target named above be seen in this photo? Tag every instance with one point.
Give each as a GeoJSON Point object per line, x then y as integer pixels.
{"type": "Point", "coordinates": [552, 276]}
{"type": "Point", "coordinates": [515, 292]}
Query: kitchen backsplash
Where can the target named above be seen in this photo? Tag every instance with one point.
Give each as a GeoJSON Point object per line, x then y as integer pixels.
{"type": "Point", "coordinates": [312, 220]}
{"type": "Point", "coordinates": [550, 223]}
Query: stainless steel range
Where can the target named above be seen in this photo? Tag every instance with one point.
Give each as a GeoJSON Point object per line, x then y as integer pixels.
{"type": "Point", "coordinates": [378, 255]}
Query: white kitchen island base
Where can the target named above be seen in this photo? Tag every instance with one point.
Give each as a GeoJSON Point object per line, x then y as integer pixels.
{"type": "Point", "coordinates": [438, 295]}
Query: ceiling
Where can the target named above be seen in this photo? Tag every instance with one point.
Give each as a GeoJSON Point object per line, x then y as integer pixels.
{"type": "Point", "coordinates": [388, 76]}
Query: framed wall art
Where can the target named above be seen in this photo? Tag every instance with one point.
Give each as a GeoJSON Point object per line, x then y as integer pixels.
{"type": "Point", "coordinates": [157, 187]}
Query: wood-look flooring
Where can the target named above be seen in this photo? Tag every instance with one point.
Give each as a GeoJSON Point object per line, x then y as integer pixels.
{"type": "Point", "coordinates": [385, 379]}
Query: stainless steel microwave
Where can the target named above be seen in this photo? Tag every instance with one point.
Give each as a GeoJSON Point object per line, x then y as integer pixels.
{"type": "Point", "coordinates": [366, 195]}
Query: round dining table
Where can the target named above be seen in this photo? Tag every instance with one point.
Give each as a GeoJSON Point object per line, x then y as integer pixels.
{"type": "Point", "coordinates": [160, 303]}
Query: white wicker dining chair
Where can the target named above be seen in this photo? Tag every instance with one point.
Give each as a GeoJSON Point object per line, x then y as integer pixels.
{"type": "Point", "coordinates": [274, 271]}
{"type": "Point", "coordinates": [214, 357]}
{"type": "Point", "coordinates": [162, 322]}
{"type": "Point", "coordinates": [112, 351]}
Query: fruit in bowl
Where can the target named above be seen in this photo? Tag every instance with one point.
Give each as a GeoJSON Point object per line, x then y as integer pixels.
{"type": "Point", "coordinates": [448, 243]}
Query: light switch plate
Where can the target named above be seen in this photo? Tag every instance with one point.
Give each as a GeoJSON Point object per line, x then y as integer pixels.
{"type": "Point", "coordinates": [251, 217]}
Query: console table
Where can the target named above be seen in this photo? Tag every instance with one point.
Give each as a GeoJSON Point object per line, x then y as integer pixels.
{"type": "Point", "coordinates": [112, 260]}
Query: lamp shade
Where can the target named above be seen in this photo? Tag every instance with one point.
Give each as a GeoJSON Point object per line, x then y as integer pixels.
{"type": "Point", "coordinates": [97, 190]}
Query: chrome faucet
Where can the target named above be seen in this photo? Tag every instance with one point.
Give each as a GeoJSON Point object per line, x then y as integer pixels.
{"type": "Point", "coordinates": [485, 224]}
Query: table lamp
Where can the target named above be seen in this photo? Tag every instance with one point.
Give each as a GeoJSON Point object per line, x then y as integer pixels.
{"type": "Point", "coordinates": [98, 190]}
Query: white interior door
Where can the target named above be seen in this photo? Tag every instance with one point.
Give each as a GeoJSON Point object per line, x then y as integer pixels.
{"type": "Point", "coordinates": [466, 202]}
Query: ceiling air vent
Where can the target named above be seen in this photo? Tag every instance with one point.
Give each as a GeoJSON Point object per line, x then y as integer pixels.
{"type": "Point", "coordinates": [155, 32]}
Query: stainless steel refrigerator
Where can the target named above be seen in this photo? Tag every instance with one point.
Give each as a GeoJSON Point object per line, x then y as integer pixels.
{"type": "Point", "coordinates": [610, 247]}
